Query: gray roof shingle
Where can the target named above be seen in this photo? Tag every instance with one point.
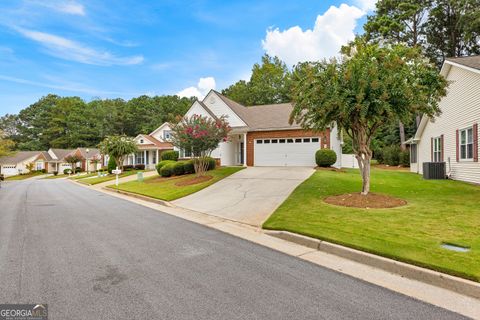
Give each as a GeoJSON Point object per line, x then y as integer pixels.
{"type": "Point", "coordinates": [18, 157]}
{"type": "Point", "coordinates": [471, 61]}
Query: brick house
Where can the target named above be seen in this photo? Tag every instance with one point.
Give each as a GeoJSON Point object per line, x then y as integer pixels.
{"type": "Point", "coordinates": [262, 136]}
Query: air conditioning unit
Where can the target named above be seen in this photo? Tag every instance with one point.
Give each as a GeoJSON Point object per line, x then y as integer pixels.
{"type": "Point", "coordinates": [434, 170]}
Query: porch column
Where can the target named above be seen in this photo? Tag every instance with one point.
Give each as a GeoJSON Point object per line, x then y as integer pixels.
{"type": "Point", "coordinates": [134, 159]}
{"type": "Point", "coordinates": [145, 157]}
{"type": "Point", "coordinates": [245, 149]}
{"type": "Point", "coordinates": [158, 160]}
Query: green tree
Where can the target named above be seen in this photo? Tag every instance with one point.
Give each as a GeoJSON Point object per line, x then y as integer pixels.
{"type": "Point", "coordinates": [118, 147]}
{"type": "Point", "coordinates": [73, 159]}
{"type": "Point", "coordinates": [370, 87]}
{"type": "Point", "coordinates": [453, 29]}
{"type": "Point", "coordinates": [201, 135]}
{"type": "Point", "coordinates": [270, 83]}
{"type": "Point", "coordinates": [6, 145]}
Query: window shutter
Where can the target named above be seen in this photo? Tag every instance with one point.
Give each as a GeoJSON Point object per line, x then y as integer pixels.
{"type": "Point", "coordinates": [431, 149]}
{"type": "Point", "coordinates": [442, 148]}
{"type": "Point", "coordinates": [475, 142]}
{"type": "Point", "coordinates": [457, 146]}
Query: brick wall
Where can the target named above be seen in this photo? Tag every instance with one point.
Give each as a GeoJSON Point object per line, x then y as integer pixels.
{"type": "Point", "coordinates": [251, 136]}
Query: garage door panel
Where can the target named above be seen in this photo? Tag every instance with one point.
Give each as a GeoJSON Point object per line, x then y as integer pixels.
{"type": "Point", "coordinates": [293, 152]}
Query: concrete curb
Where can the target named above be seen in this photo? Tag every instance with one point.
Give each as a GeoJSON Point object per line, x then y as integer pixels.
{"type": "Point", "coordinates": [442, 280]}
{"type": "Point", "coordinates": [138, 196]}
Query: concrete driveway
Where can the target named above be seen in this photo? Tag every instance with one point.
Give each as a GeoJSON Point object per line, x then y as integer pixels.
{"type": "Point", "coordinates": [248, 196]}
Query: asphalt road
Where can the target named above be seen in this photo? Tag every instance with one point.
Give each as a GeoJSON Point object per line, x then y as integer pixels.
{"type": "Point", "coordinates": [91, 256]}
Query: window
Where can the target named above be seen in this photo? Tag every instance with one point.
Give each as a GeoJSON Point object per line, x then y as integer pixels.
{"type": "Point", "coordinates": [259, 141]}
{"type": "Point", "coordinates": [187, 153]}
{"type": "Point", "coordinates": [154, 157]}
{"type": "Point", "coordinates": [274, 140]}
{"type": "Point", "coordinates": [306, 140]}
{"type": "Point", "coordinates": [141, 141]}
{"type": "Point", "coordinates": [266, 141]}
{"type": "Point", "coordinates": [298, 140]}
{"type": "Point", "coordinates": [281, 140]}
{"type": "Point", "coordinates": [413, 153]}
{"type": "Point", "coordinates": [39, 166]}
{"type": "Point", "coordinates": [289, 140]}
{"type": "Point", "coordinates": [466, 144]}
{"type": "Point", "coordinates": [437, 149]}
{"type": "Point", "coordinates": [167, 134]}
{"type": "Point", "coordinates": [314, 139]}
{"type": "Point", "coordinates": [139, 158]}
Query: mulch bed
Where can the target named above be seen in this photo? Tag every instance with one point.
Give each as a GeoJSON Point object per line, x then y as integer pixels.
{"type": "Point", "coordinates": [194, 180]}
{"type": "Point", "coordinates": [372, 200]}
{"type": "Point", "coordinates": [387, 167]}
{"type": "Point", "coordinates": [330, 169]}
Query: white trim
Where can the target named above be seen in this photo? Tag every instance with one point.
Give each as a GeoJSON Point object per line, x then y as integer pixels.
{"type": "Point", "coordinates": [460, 66]}
{"type": "Point", "coordinates": [160, 128]}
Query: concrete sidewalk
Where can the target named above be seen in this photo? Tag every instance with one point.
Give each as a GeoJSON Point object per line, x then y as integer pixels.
{"type": "Point", "coordinates": [447, 299]}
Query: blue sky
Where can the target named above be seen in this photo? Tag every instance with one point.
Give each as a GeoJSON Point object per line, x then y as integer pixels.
{"type": "Point", "coordinates": [126, 48]}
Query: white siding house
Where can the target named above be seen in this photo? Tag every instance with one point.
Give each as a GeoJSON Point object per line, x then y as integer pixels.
{"type": "Point", "coordinates": [453, 136]}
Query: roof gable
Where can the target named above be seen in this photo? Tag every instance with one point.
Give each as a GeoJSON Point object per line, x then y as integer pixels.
{"type": "Point", "coordinates": [200, 109]}
{"type": "Point", "coordinates": [164, 126]}
{"type": "Point", "coordinates": [222, 106]}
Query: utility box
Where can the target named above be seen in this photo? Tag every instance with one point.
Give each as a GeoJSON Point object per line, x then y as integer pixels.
{"type": "Point", "coordinates": [140, 176]}
{"type": "Point", "coordinates": [434, 170]}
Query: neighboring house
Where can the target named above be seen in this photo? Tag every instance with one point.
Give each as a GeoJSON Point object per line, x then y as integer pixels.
{"type": "Point", "coordinates": [150, 147]}
{"type": "Point", "coordinates": [90, 158]}
{"type": "Point", "coordinates": [453, 136]}
{"type": "Point", "coordinates": [262, 135]}
{"type": "Point", "coordinates": [17, 163]}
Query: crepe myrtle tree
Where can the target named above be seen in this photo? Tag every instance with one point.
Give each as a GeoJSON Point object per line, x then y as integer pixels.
{"type": "Point", "coordinates": [118, 147]}
{"type": "Point", "coordinates": [201, 135]}
{"type": "Point", "coordinates": [369, 86]}
{"type": "Point", "coordinates": [72, 160]}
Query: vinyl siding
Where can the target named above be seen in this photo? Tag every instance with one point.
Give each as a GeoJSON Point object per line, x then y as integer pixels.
{"type": "Point", "coordinates": [219, 108]}
{"type": "Point", "coordinates": [460, 109]}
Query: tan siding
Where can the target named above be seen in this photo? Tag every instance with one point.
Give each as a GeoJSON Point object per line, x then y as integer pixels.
{"type": "Point", "coordinates": [460, 109]}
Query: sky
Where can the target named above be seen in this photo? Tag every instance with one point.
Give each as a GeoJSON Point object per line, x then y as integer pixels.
{"type": "Point", "coordinates": [127, 48]}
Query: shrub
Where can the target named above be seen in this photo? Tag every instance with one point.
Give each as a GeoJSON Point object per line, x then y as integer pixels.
{"type": "Point", "coordinates": [178, 168]}
{"type": "Point", "coordinates": [378, 155]}
{"type": "Point", "coordinates": [170, 155]}
{"type": "Point", "coordinates": [139, 167]}
{"type": "Point", "coordinates": [78, 169]}
{"type": "Point", "coordinates": [67, 171]}
{"type": "Point", "coordinates": [167, 170]}
{"type": "Point", "coordinates": [188, 167]}
{"type": "Point", "coordinates": [325, 157]}
{"type": "Point", "coordinates": [405, 158]}
{"type": "Point", "coordinates": [55, 173]}
{"type": "Point", "coordinates": [161, 164]}
{"type": "Point", "coordinates": [44, 170]}
{"type": "Point", "coordinates": [212, 163]}
{"type": "Point", "coordinates": [111, 165]}
{"type": "Point", "coordinates": [391, 155]}
{"type": "Point", "coordinates": [128, 167]}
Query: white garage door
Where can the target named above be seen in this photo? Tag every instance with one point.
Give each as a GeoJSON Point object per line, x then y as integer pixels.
{"type": "Point", "coordinates": [9, 171]}
{"type": "Point", "coordinates": [286, 151]}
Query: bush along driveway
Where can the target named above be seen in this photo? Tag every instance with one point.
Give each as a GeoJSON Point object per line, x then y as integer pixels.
{"type": "Point", "coordinates": [437, 212]}
{"type": "Point", "coordinates": [172, 188]}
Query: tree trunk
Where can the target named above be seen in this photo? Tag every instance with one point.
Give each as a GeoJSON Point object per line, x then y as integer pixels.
{"type": "Point", "coordinates": [363, 154]}
{"type": "Point", "coordinates": [401, 128]}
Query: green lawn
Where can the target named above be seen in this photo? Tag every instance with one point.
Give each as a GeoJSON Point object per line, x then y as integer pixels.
{"type": "Point", "coordinates": [83, 176]}
{"type": "Point", "coordinates": [24, 176]}
{"type": "Point", "coordinates": [59, 176]}
{"type": "Point", "coordinates": [438, 211]}
{"type": "Point", "coordinates": [165, 188]}
{"type": "Point", "coordinates": [110, 177]}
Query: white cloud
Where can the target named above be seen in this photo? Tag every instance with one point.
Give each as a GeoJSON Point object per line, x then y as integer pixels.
{"type": "Point", "coordinates": [203, 87]}
{"type": "Point", "coordinates": [71, 8]}
{"type": "Point", "coordinates": [71, 50]}
{"type": "Point", "coordinates": [366, 5]}
{"type": "Point", "coordinates": [331, 30]}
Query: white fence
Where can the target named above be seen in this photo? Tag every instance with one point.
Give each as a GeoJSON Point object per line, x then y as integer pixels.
{"type": "Point", "coordinates": [349, 161]}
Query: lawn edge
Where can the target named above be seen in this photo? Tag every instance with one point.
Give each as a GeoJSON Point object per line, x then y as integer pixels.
{"type": "Point", "coordinates": [419, 264]}
{"type": "Point", "coordinates": [439, 279]}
